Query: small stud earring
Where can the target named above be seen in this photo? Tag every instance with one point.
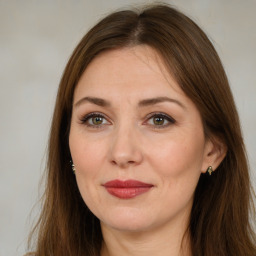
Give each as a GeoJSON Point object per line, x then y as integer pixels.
{"type": "Point", "coordinates": [73, 167]}
{"type": "Point", "coordinates": [209, 170]}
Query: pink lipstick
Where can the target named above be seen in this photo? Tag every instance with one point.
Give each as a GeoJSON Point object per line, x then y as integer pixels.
{"type": "Point", "coordinates": [127, 189]}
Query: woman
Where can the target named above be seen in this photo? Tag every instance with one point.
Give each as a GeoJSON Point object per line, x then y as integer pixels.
{"type": "Point", "coordinates": [146, 120]}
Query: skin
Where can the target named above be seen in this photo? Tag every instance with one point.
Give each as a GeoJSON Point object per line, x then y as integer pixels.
{"type": "Point", "coordinates": [128, 143]}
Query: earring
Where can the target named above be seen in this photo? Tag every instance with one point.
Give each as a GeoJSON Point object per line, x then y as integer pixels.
{"type": "Point", "coordinates": [209, 170]}
{"type": "Point", "coordinates": [73, 167]}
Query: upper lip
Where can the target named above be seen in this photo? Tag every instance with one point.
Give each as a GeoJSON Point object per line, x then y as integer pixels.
{"type": "Point", "coordinates": [126, 184]}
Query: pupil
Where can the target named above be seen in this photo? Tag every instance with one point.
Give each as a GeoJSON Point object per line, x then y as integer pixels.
{"type": "Point", "coordinates": [97, 120]}
{"type": "Point", "coordinates": [158, 120]}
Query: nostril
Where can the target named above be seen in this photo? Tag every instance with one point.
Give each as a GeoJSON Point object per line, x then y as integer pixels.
{"type": "Point", "coordinates": [123, 164]}
{"type": "Point", "coordinates": [113, 162]}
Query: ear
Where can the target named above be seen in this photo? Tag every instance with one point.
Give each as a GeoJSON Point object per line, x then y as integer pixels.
{"type": "Point", "coordinates": [214, 153]}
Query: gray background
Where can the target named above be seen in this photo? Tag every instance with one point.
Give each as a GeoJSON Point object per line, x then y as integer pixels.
{"type": "Point", "coordinates": [37, 38]}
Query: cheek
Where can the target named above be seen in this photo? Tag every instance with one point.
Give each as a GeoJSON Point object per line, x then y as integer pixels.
{"type": "Point", "coordinates": [88, 157]}
{"type": "Point", "coordinates": [177, 156]}
{"type": "Point", "coordinates": [87, 154]}
{"type": "Point", "coordinates": [177, 160]}
{"type": "Point", "coordinates": [178, 166]}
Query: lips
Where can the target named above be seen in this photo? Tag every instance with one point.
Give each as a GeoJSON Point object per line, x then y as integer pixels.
{"type": "Point", "coordinates": [127, 189]}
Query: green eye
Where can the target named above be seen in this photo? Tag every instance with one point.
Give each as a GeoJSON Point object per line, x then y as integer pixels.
{"type": "Point", "coordinates": [97, 120]}
{"type": "Point", "coordinates": [158, 120]}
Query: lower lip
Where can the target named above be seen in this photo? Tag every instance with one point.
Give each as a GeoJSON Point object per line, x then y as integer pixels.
{"type": "Point", "coordinates": [127, 193]}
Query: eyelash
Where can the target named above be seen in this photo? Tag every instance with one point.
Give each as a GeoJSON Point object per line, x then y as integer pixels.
{"type": "Point", "coordinates": [165, 117]}
{"type": "Point", "coordinates": [86, 118]}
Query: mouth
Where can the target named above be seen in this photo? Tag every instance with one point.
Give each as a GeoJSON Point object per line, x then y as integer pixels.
{"type": "Point", "coordinates": [127, 189]}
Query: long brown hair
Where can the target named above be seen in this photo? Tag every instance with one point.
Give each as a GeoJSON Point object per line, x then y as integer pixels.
{"type": "Point", "coordinates": [220, 216]}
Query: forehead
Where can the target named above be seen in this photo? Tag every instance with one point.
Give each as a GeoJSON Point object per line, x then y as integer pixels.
{"type": "Point", "coordinates": [133, 70]}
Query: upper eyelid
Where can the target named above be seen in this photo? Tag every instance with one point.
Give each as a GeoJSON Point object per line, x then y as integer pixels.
{"type": "Point", "coordinates": [160, 114]}
{"type": "Point", "coordinates": [92, 114]}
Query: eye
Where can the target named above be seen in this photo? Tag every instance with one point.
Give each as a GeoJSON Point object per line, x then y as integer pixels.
{"type": "Point", "coordinates": [160, 120]}
{"type": "Point", "coordinates": [95, 120]}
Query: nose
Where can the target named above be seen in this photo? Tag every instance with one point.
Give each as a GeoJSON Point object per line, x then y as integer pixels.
{"type": "Point", "coordinates": [125, 149]}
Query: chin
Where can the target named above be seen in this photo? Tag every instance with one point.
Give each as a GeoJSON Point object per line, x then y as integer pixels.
{"type": "Point", "coordinates": [127, 221]}
{"type": "Point", "coordinates": [128, 227]}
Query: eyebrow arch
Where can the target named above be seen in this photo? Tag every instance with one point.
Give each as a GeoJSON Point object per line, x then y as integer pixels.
{"type": "Point", "coordinates": [143, 103]}
{"type": "Point", "coordinates": [97, 101]}
{"type": "Point", "coordinates": [153, 101]}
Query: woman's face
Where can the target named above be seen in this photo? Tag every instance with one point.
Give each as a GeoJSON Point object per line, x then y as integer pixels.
{"type": "Point", "coordinates": [136, 140]}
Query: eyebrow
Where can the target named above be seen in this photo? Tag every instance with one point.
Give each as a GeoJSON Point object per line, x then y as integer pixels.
{"type": "Point", "coordinates": [97, 101]}
{"type": "Point", "coordinates": [153, 101]}
{"type": "Point", "coordinates": [143, 103]}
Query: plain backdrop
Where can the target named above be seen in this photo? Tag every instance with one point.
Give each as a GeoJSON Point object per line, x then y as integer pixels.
{"type": "Point", "coordinates": [36, 40]}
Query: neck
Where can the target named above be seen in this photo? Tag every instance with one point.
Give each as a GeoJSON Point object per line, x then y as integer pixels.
{"type": "Point", "coordinates": [163, 241]}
